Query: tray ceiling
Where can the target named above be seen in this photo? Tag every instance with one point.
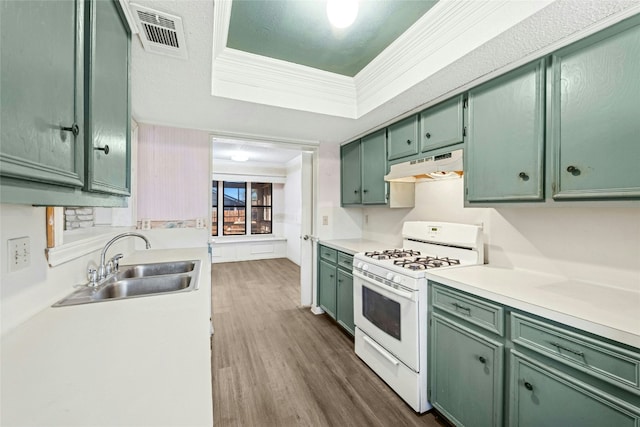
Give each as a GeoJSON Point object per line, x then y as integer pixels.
{"type": "Point", "coordinates": [299, 32]}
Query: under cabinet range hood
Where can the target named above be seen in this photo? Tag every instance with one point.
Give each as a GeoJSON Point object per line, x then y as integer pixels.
{"type": "Point", "coordinates": [444, 166]}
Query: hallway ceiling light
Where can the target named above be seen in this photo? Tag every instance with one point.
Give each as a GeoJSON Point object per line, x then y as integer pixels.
{"type": "Point", "coordinates": [342, 13]}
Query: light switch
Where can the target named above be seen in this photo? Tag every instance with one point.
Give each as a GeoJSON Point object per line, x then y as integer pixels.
{"type": "Point", "coordinates": [19, 253]}
{"type": "Point", "coordinates": [325, 220]}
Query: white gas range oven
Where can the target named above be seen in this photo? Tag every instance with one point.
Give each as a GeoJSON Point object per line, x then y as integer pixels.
{"type": "Point", "coordinates": [390, 301]}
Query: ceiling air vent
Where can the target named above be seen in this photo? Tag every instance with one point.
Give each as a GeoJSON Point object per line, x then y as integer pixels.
{"type": "Point", "coordinates": [160, 32]}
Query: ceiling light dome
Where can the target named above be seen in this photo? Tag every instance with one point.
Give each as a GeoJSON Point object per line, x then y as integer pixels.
{"type": "Point", "coordinates": [342, 13]}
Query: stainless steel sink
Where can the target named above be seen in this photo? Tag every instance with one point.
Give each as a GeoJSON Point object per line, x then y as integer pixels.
{"type": "Point", "coordinates": [144, 270]}
{"type": "Point", "coordinates": [139, 281]}
{"type": "Point", "coordinates": [142, 286]}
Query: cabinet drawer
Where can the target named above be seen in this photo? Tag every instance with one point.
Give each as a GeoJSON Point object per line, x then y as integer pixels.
{"type": "Point", "coordinates": [605, 361]}
{"type": "Point", "coordinates": [328, 254]}
{"type": "Point", "coordinates": [481, 313]}
{"type": "Point", "coordinates": [345, 261]}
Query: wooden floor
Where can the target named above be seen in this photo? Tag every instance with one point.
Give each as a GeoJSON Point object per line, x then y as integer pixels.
{"type": "Point", "coordinates": [275, 363]}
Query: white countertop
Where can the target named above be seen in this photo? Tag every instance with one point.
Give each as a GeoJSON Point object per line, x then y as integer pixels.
{"type": "Point", "coordinates": [141, 361]}
{"type": "Point", "coordinates": [610, 312]}
{"type": "Point", "coordinates": [353, 246]}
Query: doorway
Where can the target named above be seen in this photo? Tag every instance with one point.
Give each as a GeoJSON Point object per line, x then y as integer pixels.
{"type": "Point", "coordinates": [290, 168]}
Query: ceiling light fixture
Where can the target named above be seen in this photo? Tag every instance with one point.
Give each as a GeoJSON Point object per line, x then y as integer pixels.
{"type": "Point", "coordinates": [239, 157]}
{"type": "Point", "coordinates": [342, 13]}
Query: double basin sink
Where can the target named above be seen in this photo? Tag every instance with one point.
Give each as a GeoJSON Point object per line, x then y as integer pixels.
{"type": "Point", "coordinates": [139, 280]}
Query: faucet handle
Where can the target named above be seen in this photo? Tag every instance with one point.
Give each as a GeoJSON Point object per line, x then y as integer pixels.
{"type": "Point", "coordinates": [115, 261]}
{"type": "Point", "coordinates": [109, 267]}
{"type": "Point", "coordinates": [92, 276]}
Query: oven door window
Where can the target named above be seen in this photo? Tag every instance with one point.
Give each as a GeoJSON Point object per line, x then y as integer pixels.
{"type": "Point", "coordinates": [383, 312]}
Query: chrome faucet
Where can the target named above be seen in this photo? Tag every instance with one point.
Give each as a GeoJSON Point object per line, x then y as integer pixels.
{"type": "Point", "coordinates": [104, 270]}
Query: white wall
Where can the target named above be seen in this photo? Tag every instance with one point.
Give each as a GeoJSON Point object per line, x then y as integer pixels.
{"type": "Point", "coordinates": [26, 292]}
{"type": "Point", "coordinates": [594, 244]}
{"type": "Point", "coordinates": [293, 209]}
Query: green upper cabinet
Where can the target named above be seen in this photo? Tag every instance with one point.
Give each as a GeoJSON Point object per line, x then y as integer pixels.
{"type": "Point", "coordinates": [350, 174]}
{"type": "Point", "coordinates": [374, 167]}
{"type": "Point", "coordinates": [403, 138]}
{"type": "Point", "coordinates": [504, 153]}
{"type": "Point", "coordinates": [442, 125]}
{"type": "Point", "coordinates": [65, 99]}
{"type": "Point", "coordinates": [41, 84]}
{"type": "Point", "coordinates": [595, 115]}
{"type": "Point", "coordinates": [107, 99]}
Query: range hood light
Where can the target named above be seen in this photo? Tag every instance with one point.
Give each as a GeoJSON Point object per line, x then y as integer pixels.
{"type": "Point", "coordinates": [445, 166]}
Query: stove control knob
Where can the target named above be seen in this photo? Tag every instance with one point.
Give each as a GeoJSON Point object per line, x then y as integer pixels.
{"type": "Point", "coordinates": [359, 266]}
{"type": "Point", "coordinates": [390, 276]}
{"type": "Point", "coordinates": [397, 279]}
{"type": "Point", "coordinates": [365, 267]}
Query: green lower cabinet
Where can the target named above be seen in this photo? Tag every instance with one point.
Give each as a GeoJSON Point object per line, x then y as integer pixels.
{"type": "Point", "coordinates": [466, 375]}
{"type": "Point", "coordinates": [327, 287]}
{"type": "Point", "coordinates": [344, 303]}
{"type": "Point", "coordinates": [543, 396]}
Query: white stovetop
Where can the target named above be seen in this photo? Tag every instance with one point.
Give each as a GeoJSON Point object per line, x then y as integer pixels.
{"type": "Point", "coordinates": [143, 361]}
{"type": "Point", "coordinates": [610, 312]}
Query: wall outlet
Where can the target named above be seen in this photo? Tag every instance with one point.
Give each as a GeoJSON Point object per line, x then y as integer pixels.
{"type": "Point", "coordinates": [366, 219]}
{"type": "Point", "coordinates": [19, 253]}
{"type": "Point", "coordinates": [199, 222]}
{"type": "Point", "coordinates": [145, 224]}
{"type": "Point", "coordinates": [325, 220]}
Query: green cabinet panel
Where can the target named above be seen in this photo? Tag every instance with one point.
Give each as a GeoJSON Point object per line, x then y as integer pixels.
{"type": "Point", "coordinates": [466, 375]}
{"type": "Point", "coordinates": [107, 99]}
{"type": "Point", "coordinates": [403, 138]}
{"type": "Point", "coordinates": [595, 114]}
{"type": "Point", "coordinates": [327, 287]}
{"type": "Point", "coordinates": [344, 303]}
{"type": "Point", "coordinates": [543, 396]}
{"type": "Point", "coordinates": [504, 153]}
{"type": "Point", "coordinates": [335, 285]}
{"type": "Point", "coordinates": [41, 84]}
{"type": "Point", "coordinates": [442, 125]}
{"type": "Point", "coordinates": [350, 174]}
{"type": "Point", "coordinates": [374, 167]}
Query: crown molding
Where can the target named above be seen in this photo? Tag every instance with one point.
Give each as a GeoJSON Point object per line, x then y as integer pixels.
{"type": "Point", "coordinates": [450, 30]}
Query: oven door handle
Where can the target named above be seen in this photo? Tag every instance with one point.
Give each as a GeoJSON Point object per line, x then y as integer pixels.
{"type": "Point", "coordinates": [384, 353]}
{"type": "Point", "coordinates": [400, 293]}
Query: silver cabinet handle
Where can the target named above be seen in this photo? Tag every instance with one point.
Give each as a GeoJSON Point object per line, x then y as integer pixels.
{"type": "Point", "coordinates": [462, 307]}
{"type": "Point", "coordinates": [561, 347]}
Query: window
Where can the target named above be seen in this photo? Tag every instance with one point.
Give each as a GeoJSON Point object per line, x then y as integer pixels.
{"type": "Point", "coordinates": [235, 201]}
{"type": "Point", "coordinates": [260, 208]}
{"type": "Point", "coordinates": [214, 208]}
{"type": "Point", "coordinates": [232, 198]}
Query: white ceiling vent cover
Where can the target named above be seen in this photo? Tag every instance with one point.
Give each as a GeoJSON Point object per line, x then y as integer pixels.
{"type": "Point", "coordinates": [160, 32]}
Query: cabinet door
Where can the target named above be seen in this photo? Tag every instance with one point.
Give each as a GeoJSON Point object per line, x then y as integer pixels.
{"type": "Point", "coordinates": [344, 310]}
{"type": "Point", "coordinates": [107, 114]}
{"type": "Point", "coordinates": [403, 138]}
{"type": "Point", "coordinates": [595, 110]}
{"type": "Point", "coordinates": [350, 173]}
{"type": "Point", "coordinates": [41, 84]}
{"type": "Point", "coordinates": [374, 168]}
{"type": "Point", "coordinates": [543, 396]}
{"type": "Point", "coordinates": [327, 288]}
{"type": "Point", "coordinates": [441, 126]}
{"type": "Point", "coordinates": [466, 374]}
{"type": "Point", "coordinates": [504, 151]}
